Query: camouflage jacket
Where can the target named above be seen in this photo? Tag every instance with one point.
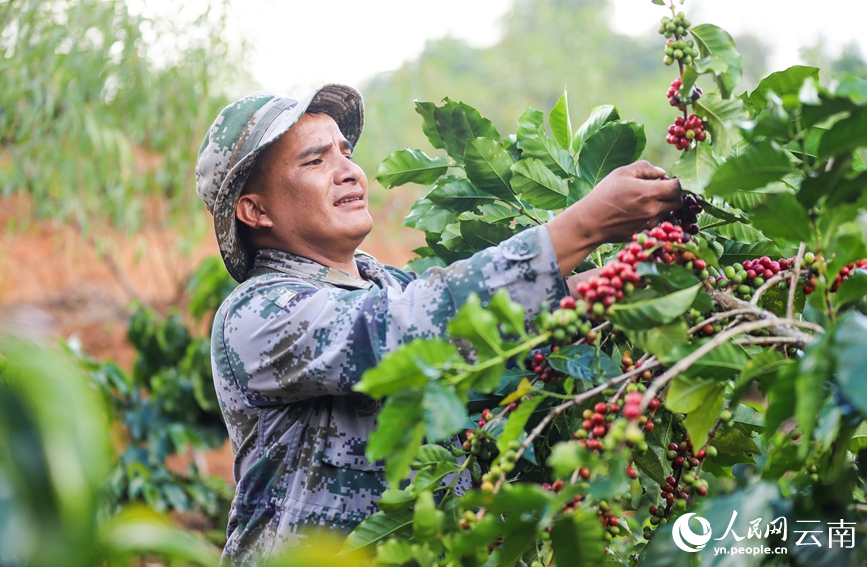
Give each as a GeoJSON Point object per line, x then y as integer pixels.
{"type": "Point", "coordinates": [288, 345]}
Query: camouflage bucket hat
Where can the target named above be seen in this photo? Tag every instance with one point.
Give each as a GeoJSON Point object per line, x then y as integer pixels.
{"type": "Point", "coordinates": [239, 133]}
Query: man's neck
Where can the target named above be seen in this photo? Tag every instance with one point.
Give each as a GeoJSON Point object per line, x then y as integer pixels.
{"type": "Point", "coordinates": [343, 261]}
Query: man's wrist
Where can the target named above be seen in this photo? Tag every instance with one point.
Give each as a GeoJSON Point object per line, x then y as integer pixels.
{"type": "Point", "coordinates": [572, 237]}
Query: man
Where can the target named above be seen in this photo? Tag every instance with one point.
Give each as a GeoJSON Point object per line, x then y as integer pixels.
{"type": "Point", "coordinates": [312, 314]}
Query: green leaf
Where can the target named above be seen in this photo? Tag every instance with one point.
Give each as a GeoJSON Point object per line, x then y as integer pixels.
{"type": "Point", "coordinates": [444, 412]}
{"type": "Point", "coordinates": [399, 433]}
{"type": "Point", "coordinates": [430, 478]}
{"type": "Point", "coordinates": [516, 422]}
{"type": "Point", "coordinates": [740, 232]}
{"type": "Point", "coordinates": [509, 313]}
{"type": "Point", "coordinates": [852, 290]}
{"type": "Point", "coordinates": [737, 252]}
{"type": "Point", "coordinates": [445, 129]}
{"type": "Point", "coordinates": [612, 146]}
{"type": "Point", "coordinates": [649, 313]}
{"type": "Point", "coordinates": [468, 124]}
{"type": "Point", "coordinates": [481, 234]}
{"type": "Point", "coordinates": [578, 540]}
{"type": "Point", "coordinates": [537, 185]}
{"type": "Point", "coordinates": [488, 166]}
{"type": "Point", "coordinates": [814, 370]}
{"type": "Point", "coordinates": [424, 516]}
{"type": "Point", "coordinates": [781, 83]}
{"type": "Point", "coordinates": [599, 116]}
{"type": "Point", "coordinates": [734, 446]}
{"type": "Point", "coordinates": [431, 455]}
{"type": "Point", "coordinates": [719, 364]}
{"type": "Point", "coordinates": [427, 112]}
{"type": "Point", "coordinates": [496, 212]}
{"type": "Point", "coordinates": [583, 362]}
{"type": "Point", "coordinates": [651, 464]}
{"type": "Point", "coordinates": [850, 357]}
{"type": "Point", "coordinates": [667, 278]}
{"type": "Point", "coordinates": [763, 163]}
{"type": "Point", "coordinates": [715, 42]}
{"type": "Point", "coordinates": [561, 124]}
{"type": "Point", "coordinates": [479, 326]}
{"type": "Point", "coordinates": [395, 500]}
{"type": "Point", "coordinates": [845, 136]}
{"type": "Point", "coordinates": [410, 166]}
{"type": "Point", "coordinates": [458, 194]}
{"type": "Point", "coordinates": [781, 216]}
{"type": "Point", "coordinates": [420, 265]}
{"type": "Point", "coordinates": [720, 115]}
{"type": "Point", "coordinates": [534, 142]}
{"type": "Point", "coordinates": [393, 552]}
{"type": "Point", "coordinates": [852, 87]}
{"type": "Point", "coordinates": [696, 168]}
{"type": "Point", "coordinates": [686, 395]}
{"type": "Point", "coordinates": [428, 217]}
{"type": "Point", "coordinates": [659, 341]}
{"type": "Point", "coordinates": [378, 527]}
{"type": "Point", "coordinates": [400, 369]}
{"type": "Point", "coordinates": [718, 209]}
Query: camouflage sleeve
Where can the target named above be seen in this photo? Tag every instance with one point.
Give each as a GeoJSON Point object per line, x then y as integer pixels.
{"type": "Point", "coordinates": [286, 340]}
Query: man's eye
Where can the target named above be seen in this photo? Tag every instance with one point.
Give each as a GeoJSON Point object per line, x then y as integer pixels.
{"type": "Point", "coordinates": [316, 161]}
{"type": "Point", "coordinates": [348, 156]}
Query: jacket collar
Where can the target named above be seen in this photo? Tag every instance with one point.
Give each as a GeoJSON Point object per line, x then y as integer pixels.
{"type": "Point", "coordinates": [371, 271]}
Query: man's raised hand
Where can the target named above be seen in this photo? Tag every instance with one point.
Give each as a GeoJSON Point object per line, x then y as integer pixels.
{"type": "Point", "coordinates": [630, 199]}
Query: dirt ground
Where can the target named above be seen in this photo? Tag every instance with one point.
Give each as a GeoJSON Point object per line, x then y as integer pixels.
{"type": "Point", "coordinates": [85, 281]}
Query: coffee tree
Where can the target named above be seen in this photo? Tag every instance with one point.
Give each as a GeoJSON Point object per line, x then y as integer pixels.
{"type": "Point", "coordinates": [712, 364]}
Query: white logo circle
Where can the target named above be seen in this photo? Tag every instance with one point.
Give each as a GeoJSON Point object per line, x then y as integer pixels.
{"type": "Point", "coordinates": [685, 538]}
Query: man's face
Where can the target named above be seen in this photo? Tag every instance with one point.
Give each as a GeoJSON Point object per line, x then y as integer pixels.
{"type": "Point", "coordinates": [312, 192]}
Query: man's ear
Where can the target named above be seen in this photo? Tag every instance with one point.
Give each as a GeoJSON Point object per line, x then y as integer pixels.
{"type": "Point", "coordinates": [250, 210]}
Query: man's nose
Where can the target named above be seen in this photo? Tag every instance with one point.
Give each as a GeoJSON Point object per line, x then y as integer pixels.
{"type": "Point", "coordinates": [349, 172]}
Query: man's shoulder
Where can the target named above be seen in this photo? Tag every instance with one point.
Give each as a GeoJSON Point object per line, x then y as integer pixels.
{"type": "Point", "coordinates": [271, 288]}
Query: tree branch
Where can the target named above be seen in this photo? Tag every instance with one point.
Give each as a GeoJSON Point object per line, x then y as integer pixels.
{"type": "Point", "coordinates": [582, 397]}
{"type": "Point", "coordinates": [780, 276]}
{"type": "Point", "coordinates": [693, 357]}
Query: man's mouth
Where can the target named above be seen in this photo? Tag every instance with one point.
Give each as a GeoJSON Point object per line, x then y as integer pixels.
{"type": "Point", "coordinates": [350, 199]}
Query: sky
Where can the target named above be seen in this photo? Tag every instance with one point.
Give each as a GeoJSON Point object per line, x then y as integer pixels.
{"type": "Point", "coordinates": [296, 47]}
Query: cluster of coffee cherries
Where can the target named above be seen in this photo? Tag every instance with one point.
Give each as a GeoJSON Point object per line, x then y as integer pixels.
{"type": "Point", "coordinates": [608, 518]}
{"type": "Point", "coordinates": [744, 278]}
{"type": "Point", "coordinates": [683, 485]}
{"type": "Point", "coordinates": [674, 95]}
{"type": "Point", "coordinates": [613, 422]}
{"type": "Point", "coordinates": [685, 130]}
{"type": "Point", "coordinates": [676, 26]}
{"type": "Point", "coordinates": [687, 216]}
{"type": "Point", "coordinates": [566, 323]}
{"type": "Point", "coordinates": [632, 407]}
{"type": "Point", "coordinates": [477, 444]}
{"type": "Point", "coordinates": [669, 244]}
{"type": "Point", "coordinates": [846, 271]}
{"type": "Point", "coordinates": [504, 465]}
{"type": "Point", "coordinates": [666, 243]}
{"type": "Point", "coordinates": [680, 50]}
{"type": "Point", "coordinates": [543, 370]}
{"type": "Point", "coordinates": [814, 264]}
{"type": "Point", "coordinates": [614, 283]}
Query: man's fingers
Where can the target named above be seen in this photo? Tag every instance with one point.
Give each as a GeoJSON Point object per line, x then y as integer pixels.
{"type": "Point", "coordinates": [645, 170]}
{"type": "Point", "coordinates": [668, 190]}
